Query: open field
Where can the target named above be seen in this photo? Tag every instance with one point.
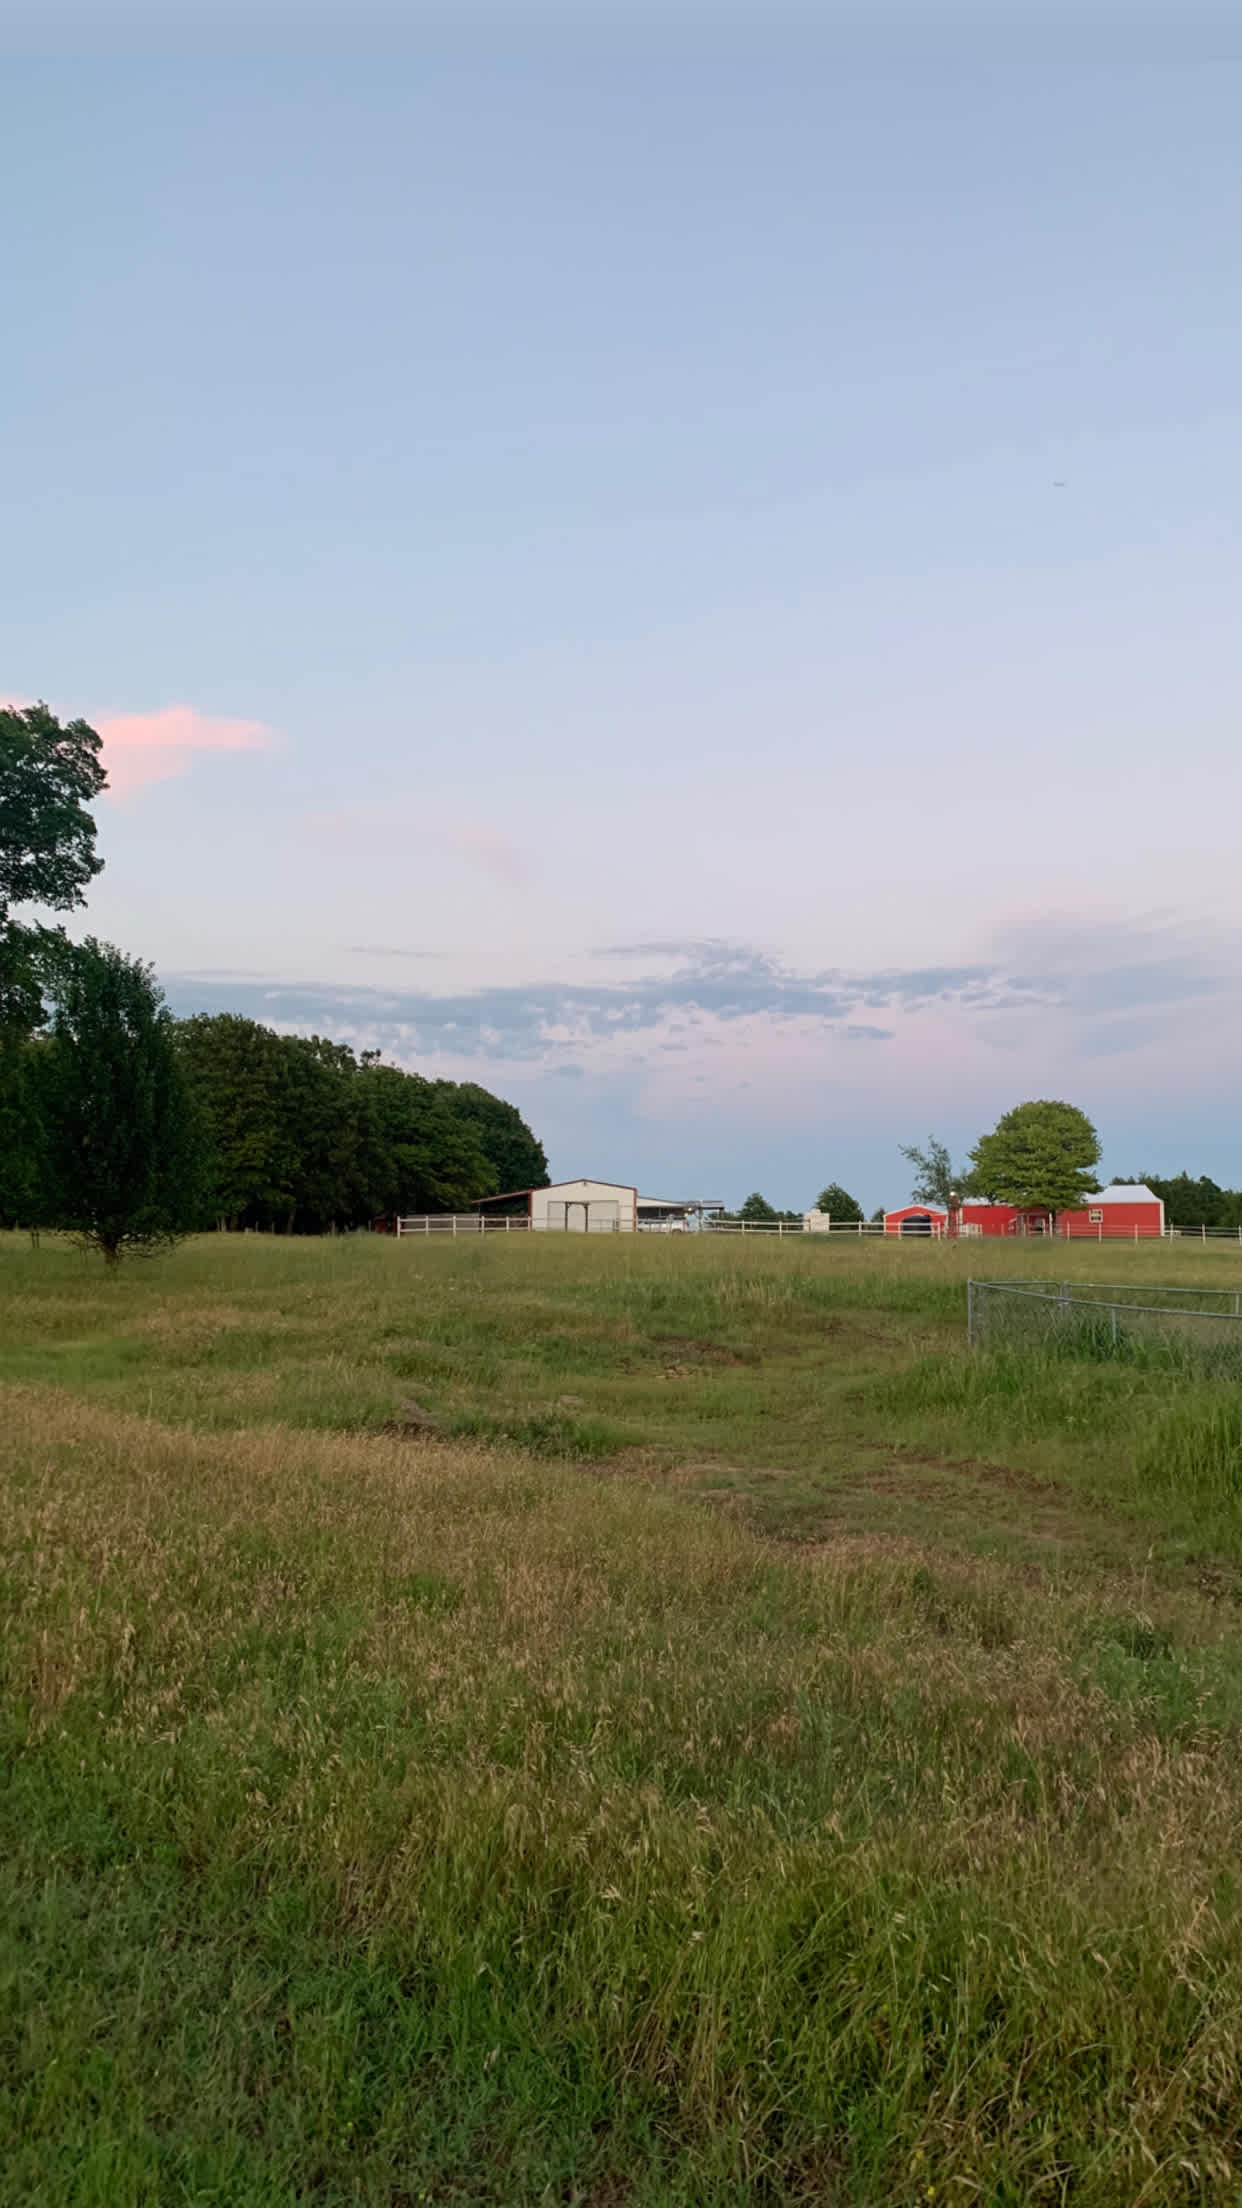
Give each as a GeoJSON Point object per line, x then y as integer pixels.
{"type": "Point", "coordinates": [753, 1751]}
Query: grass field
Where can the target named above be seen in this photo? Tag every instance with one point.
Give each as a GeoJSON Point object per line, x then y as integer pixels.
{"type": "Point", "coordinates": [750, 1750]}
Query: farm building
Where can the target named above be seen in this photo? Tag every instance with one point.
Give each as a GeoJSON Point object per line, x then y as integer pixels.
{"type": "Point", "coordinates": [1128, 1209]}
{"type": "Point", "coordinates": [1126, 1205]}
{"type": "Point", "coordinates": [916, 1219]}
{"type": "Point", "coordinates": [603, 1207]}
{"type": "Point", "coordinates": [584, 1207]}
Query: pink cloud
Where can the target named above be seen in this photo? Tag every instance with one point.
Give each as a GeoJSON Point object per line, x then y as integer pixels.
{"type": "Point", "coordinates": [152, 747]}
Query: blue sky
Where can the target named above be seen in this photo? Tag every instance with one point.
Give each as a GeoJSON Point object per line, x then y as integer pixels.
{"type": "Point", "coordinates": [692, 580]}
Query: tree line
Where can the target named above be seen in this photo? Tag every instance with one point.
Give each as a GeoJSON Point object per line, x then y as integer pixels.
{"type": "Point", "coordinates": [757, 1211]}
{"type": "Point", "coordinates": [302, 1136]}
{"type": "Point", "coordinates": [127, 1127]}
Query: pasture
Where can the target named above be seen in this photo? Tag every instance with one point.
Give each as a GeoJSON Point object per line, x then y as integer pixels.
{"type": "Point", "coordinates": [725, 1743]}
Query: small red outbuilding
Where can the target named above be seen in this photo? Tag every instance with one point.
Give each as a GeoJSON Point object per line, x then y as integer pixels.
{"type": "Point", "coordinates": [925, 1219]}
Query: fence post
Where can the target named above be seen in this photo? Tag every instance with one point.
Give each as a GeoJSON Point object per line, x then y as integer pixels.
{"type": "Point", "coordinates": [970, 1314]}
{"type": "Point", "coordinates": [860, 1226]}
{"type": "Point", "coordinates": [1114, 1326]}
{"type": "Point", "coordinates": [1205, 1231]}
{"type": "Point", "coordinates": [780, 1227]}
{"type": "Point", "coordinates": [426, 1222]}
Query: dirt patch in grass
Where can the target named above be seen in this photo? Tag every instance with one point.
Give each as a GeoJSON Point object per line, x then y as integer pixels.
{"type": "Point", "coordinates": [931, 1471]}
{"type": "Point", "coordinates": [686, 1349]}
{"type": "Point", "coordinates": [1219, 1580]}
{"type": "Point", "coordinates": [971, 1498]}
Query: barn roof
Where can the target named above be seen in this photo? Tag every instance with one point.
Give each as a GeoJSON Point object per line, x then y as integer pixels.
{"type": "Point", "coordinates": [1126, 1192]}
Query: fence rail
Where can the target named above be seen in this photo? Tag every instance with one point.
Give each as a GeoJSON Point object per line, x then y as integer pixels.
{"type": "Point", "coordinates": [462, 1222]}
{"type": "Point", "coordinates": [474, 1222]}
{"type": "Point", "coordinates": [855, 1227]}
{"type": "Point", "coordinates": [1170, 1325]}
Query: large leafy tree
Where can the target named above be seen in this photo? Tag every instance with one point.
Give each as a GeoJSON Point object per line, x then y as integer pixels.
{"type": "Point", "coordinates": [320, 1123]}
{"type": "Point", "coordinates": [49, 776]}
{"type": "Point", "coordinates": [838, 1203]}
{"type": "Point", "coordinates": [1040, 1157]}
{"type": "Point", "coordinates": [121, 1142]}
{"type": "Point", "coordinates": [516, 1156]}
{"type": "Point", "coordinates": [280, 1120]}
{"type": "Point", "coordinates": [415, 1151]}
{"type": "Point", "coordinates": [237, 1074]}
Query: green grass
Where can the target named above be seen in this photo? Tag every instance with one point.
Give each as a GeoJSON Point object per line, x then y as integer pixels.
{"type": "Point", "coordinates": [755, 1752]}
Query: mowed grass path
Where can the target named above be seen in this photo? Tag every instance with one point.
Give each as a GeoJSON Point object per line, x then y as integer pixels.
{"type": "Point", "coordinates": [756, 1753]}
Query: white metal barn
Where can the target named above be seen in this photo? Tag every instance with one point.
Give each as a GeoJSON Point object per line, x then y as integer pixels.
{"type": "Point", "coordinates": [584, 1207]}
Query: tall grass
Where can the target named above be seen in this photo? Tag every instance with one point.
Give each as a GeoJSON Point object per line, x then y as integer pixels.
{"type": "Point", "coordinates": [386, 1820]}
{"type": "Point", "coordinates": [392, 1817]}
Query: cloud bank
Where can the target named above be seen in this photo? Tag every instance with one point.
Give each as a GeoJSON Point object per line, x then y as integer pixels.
{"type": "Point", "coordinates": [1115, 989]}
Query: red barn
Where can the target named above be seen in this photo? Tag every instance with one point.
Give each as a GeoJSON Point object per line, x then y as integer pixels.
{"type": "Point", "coordinates": [1125, 1210]}
{"type": "Point", "coordinates": [925, 1219]}
{"type": "Point", "coordinates": [977, 1216]}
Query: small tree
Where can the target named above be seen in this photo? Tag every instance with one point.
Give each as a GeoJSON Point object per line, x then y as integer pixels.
{"type": "Point", "coordinates": [838, 1203]}
{"type": "Point", "coordinates": [1038, 1157]}
{"type": "Point", "coordinates": [935, 1181]}
{"type": "Point", "coordinates": [757, 1211]}
{"type": "Point", "coordinates": [122, 1150]}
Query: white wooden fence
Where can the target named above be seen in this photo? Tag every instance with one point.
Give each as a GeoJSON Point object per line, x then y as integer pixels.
{"type": "Point", "coordinates": [480, 1222]}
{"type": "Point", "coordinates": [462, 1222]}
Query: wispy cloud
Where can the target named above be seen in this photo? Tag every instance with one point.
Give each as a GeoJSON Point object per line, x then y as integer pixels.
{"type": "Point", "coordinates": [387, 950]}
{"type": "Point", "coordinates": [139, 748]}
{"type": "Point", "coordinates": [1109, 991]}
